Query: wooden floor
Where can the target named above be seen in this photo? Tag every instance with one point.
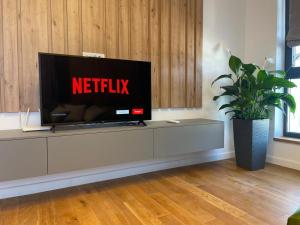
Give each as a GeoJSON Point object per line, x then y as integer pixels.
{"type": "Point", "coordinates": [211, 194]}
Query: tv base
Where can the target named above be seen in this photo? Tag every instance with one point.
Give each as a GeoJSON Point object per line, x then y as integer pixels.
{"type": "Point", "coordinates": [142, 123]}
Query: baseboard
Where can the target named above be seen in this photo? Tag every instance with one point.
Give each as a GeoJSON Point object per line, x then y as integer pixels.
{"type": "Point", "coordinates": [292, 164]}
{"type": "Point", "coordinates": [58, 181]}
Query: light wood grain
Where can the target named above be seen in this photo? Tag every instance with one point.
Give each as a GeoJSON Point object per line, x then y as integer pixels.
{"type": "Point", "coordinates": [190, 53]}
{"type": "Point", "coordinates": [216, 193]}
{"type": "Point", "coordinates": [168, 33]}
{"type": "Point", "coordinates": [165, 60]}
{"type": "Point", "coordinates": [155, 51]}
{"type": "Point", "coordinates": [139, 30]}
{"type": "Point", "coordinates": [58, 21]}
{"type": "Point", "coordinates": [198, 52]}
{"type": "Point", "coordinates": [34, 37]}
{"type": "Point", "coordinates": [74, 27]}
{"type": "Point", "coordinates": [124, 29]}
{"type": "Point", "coordinates": [93, 26]}
{"type": "Point", "coordinates": [10, 52]}
{"type": "Point", "coordinates": [112, 28]}
{"type": "Point", "coordinates": [2, 84]}
{"type": "Point", "coordinates": [178, 45]}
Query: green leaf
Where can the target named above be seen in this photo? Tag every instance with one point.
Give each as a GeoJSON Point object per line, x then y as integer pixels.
{"type": "Point", "coordinates": [233, 90]}
{"type": "Point", "coordinates": [282, 83]}
{"type": "Point", "coordinates": [278, 72]}
{"type": "Point", "coordinates": [254, 91]}
{"type": "Point", "coordinates": [268, 82]}
{"type": "Point", "coordinates": [228, 76]}
{"type": "Point", "coordinates": [215, 98]}
{"type": "Point", "coordinates": [252, 80]}
{"type": "Point", "coordinates": [249, 68]}
{"type": "Point", "coordinates": [233, 111]}
{"type": "Point", "coordinates": [261, 76]}
{"type": "Point", "coordinates": [225, 106]}
{"type": "Point", "coordinates": [274, 99]}
{"type": "Point", "coordinates": [235, 64]}
{"type": "Point", "coordinates": [245, 84]}
{"type": "Point", "coordinates": [290, 101]}
{"type": "Point", "coordinates": [271, 98]}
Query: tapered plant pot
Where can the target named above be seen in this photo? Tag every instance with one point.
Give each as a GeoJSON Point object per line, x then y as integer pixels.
{"type": "Point", "coordinates": [250, 142]}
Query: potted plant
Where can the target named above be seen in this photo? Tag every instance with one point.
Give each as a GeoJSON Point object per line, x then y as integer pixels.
{"type": "Point", "coordinates": [253, 93]}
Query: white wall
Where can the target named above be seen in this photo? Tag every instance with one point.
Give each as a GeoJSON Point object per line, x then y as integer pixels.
{"type": "Point", "coordinates": [260, 27]}
{"type": "Point", "coordinates": [222, 30]}
{"type": "Point", "coordinates": [265, 36]}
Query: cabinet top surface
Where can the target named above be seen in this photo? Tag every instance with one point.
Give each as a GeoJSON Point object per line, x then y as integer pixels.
{"type": "Point", "coordinates": [72, 130]}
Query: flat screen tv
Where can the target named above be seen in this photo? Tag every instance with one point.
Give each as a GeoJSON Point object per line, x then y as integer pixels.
{"type": "Point", "coordinates": [77, 89]}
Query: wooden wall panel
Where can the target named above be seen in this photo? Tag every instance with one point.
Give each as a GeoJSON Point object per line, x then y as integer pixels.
{"type": "Point", "coordinates": [155, 51]}
{"type": "Point", "coordinates": [165, 59]}
{"type": "Point", "coordinates": [139, 30]}
{"type": "Point", "coordinates": [93, 26]}
{"type": "Point", "coordinates": [178, 59]}
{"type": "Point", "coordinates": [124, 29]}
{"type": "Point", "coordinates": [190, 53]}
{"type": "Point", "coordinates": [2, 84]}
{"type": "Point", "coordinates": [166, 32]}
{"type": "Point", "coordinates": [74, 27]}
{"type": "Point", "coordinates": [34, 36]}
{"type": "Point", "coordinates": [112, 28]}
{"type": "Point", "coordinates": [198, 53]}
{"type": "Point", "coordinates": [57, 32]}
{"type": "Point", "coordinates": [10, 51]}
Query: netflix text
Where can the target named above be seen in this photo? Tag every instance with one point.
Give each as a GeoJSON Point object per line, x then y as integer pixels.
{"type": "Point", "coordinates": [88, 85]}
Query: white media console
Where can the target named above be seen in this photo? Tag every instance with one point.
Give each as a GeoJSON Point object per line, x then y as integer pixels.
{"type": "Point", "coordinates": [33, 156]}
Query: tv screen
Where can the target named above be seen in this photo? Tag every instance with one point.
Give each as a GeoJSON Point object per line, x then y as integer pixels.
{"type": "Point", "coordinates": [76, 89]}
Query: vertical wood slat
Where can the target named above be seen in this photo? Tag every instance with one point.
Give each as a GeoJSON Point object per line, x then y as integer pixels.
{"type": "Point", "coordinates": [93, 26]}
{"type": "Point", "coordinates": [168, 32]}
{"type": "Point", "coordinates": [112, 28]}
{"type": "Point", "coordinates": [57, 23]}
{"type": "Point", "coordinates": [10, 51]}
{"type": "Point", "coordinates": [2, 86]}
{"type": "Point", "coordinates": [139, 30]}
{"type": "Point", "coordinates": [165, 60]}
{"type": "Point", "coordinates": [155, 51]}
{"type": "Point", "coordinates": [74, 27]}
{"type": "Point", "coordinates": [190, 54]}
{"type": "Point", "coordinates": [34, 36]}
{"type": "Point", "coordinates": [20, 52]}
{"type": "Point", "coordinates": [124, 29]}
{"type": "Point", "coordinates": [178, 22]}
{"type": "Point", "coordinates": [198, 53]}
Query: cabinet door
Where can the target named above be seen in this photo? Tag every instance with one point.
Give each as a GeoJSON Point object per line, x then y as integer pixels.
{"type": "Point", "coordinates": [23, 158]}
{"type": "Point", "coordinates": [188, 139]}
{"type": "Point", "coordinates": [77, 152]}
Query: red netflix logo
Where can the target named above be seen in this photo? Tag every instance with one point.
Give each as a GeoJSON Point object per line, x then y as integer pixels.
{"type": "Point", "coordinates": [137, 111]}
{"type": "Point", "coordinates": [87, 85]}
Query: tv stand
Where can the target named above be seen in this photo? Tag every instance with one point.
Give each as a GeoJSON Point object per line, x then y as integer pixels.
{"type": "Point", "coordinates": [52, 129]}
{"type": "Point", "coordinates": [114, 149]}
{"type": "Point", "coordinates": [142, 123]}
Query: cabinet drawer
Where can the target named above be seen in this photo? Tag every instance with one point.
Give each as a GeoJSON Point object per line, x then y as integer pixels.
{"type": "Point", "coordinates": [23, 158]}
{"type": "Point", "coordinates": [78, 152]}
{"type": "Point", "coordinates": [188, 139]}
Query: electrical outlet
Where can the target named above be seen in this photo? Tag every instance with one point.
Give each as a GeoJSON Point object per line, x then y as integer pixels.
{"type": "Point", "coordinates": [93, 54]}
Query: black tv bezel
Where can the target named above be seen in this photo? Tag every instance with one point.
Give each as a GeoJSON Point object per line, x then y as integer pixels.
{"type": "Point", "coordinates": [93, 122]}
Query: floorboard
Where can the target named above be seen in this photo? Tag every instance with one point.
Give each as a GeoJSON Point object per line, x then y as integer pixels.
{"type": "Point", "coordinates": [215, 193]}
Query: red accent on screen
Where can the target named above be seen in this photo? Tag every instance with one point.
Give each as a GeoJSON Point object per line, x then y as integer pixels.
{"type": "Point", "coordinates": [88, 85]}
{"type": "Point", "coordinates": [137, 111]}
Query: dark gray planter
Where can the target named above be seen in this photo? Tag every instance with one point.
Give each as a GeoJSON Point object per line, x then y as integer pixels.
{"type": "Point", "coordinates": [250, 142]}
